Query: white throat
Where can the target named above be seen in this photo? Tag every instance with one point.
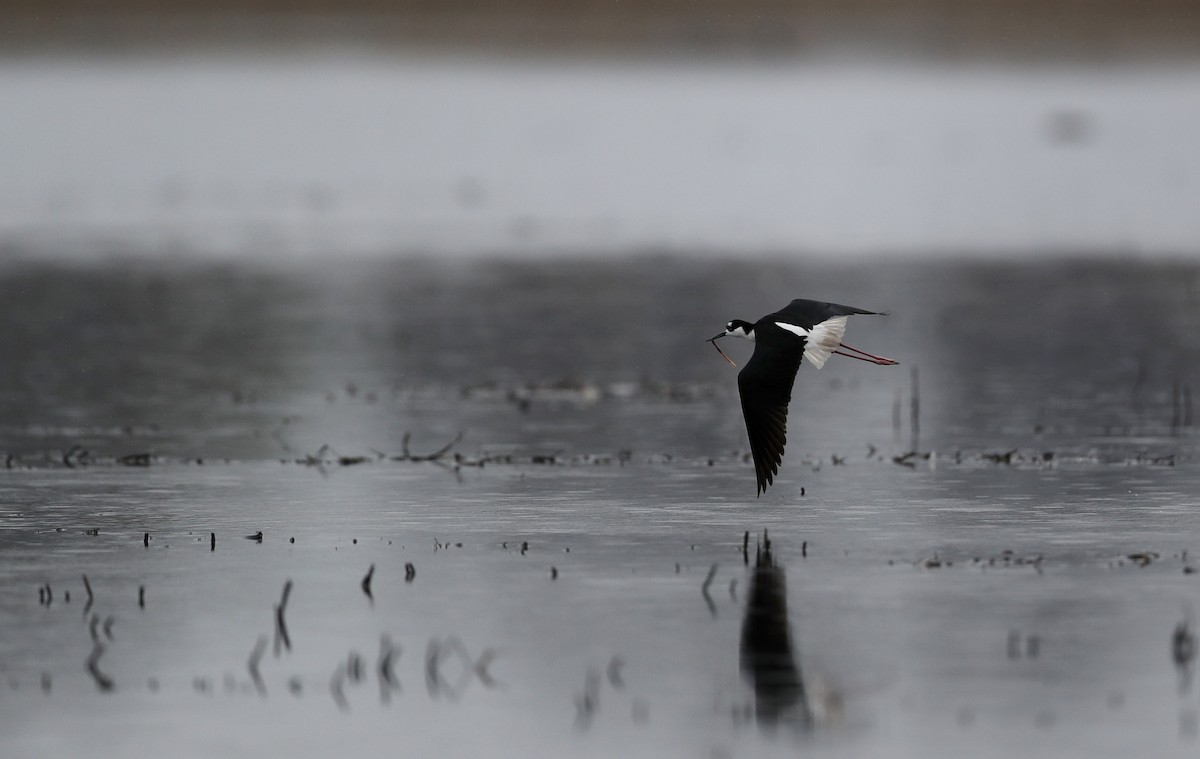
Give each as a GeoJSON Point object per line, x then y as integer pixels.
{"type": "Point", "coordinates": [742, 333]}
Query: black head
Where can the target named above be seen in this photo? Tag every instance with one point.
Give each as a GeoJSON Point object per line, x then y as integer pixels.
{"type": "Point", "coordinates": [738, 328]}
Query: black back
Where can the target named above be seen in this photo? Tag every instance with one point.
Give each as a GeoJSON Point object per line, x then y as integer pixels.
{"type": "Point", "coordinates": [765, 383]}
{"type": "Point", "coordinates": [808, 313]}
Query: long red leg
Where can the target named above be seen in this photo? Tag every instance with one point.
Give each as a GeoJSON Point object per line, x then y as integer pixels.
{"type": "Point", "coordinates": [871, 357]}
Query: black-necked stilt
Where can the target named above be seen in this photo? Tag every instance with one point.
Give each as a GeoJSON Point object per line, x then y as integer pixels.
{"type": "Point", "coordinates": [804, 329]}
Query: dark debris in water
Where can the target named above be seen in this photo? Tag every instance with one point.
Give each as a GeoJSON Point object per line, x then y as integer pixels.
{"type": "Point", "coordinates": [327, 458]}
{"type": "Point", "coordinates": [1006, 559]}
{"type": "Point", "coordinates": [1010, 559]}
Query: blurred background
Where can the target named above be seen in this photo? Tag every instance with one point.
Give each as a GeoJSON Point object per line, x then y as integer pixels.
{"type": "Point", "coordinates": [871, 127]}
{"type": "Point", "coordinates": [251, 252]}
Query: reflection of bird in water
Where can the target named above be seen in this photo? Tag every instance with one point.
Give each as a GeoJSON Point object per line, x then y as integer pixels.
{"type": "Point", "coordinates": [1183, 650]}
{"type": "Point", "coordinates": [804, 329]}
{"type": "Point", "coordinates": [768, 659]}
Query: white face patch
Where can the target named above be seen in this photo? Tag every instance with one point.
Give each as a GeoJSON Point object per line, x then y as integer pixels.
{"type": "Point", "coordinates": [740, 332]}
{"type": "Point", "coordinates": [822, 340]}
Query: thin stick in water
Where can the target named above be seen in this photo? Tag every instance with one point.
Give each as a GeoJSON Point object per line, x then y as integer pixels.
{"type": "Point", "coordinates": [260, 646]}
{"type": "Point", "coordinates": [366, 582]}
{"type": "Point", "coordinates": [281, 633]}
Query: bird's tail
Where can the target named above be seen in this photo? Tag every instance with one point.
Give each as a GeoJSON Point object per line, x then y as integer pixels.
{"type": "Point", "coordinates": [823, 339]}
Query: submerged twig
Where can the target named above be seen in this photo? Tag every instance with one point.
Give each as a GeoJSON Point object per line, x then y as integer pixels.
{"type": "Point", "coordinates": [260, 647]}
{"type": "Point", "coordinates": [480, 667]}
{"type": "Point", "coordinates": [366, 582]}
{"type": "Point", "coordinates": [614, 672]}
{"type": "Point", "coordinates": [433, 675]}
{"type": "Point", "coordinates": [587, 703]}
{"type": "Point", "coordinates": [388, 653]}
{"type": "Point", "coordinates": [88, 587]}
{"type": "Point", "coordinates": [712, 607]}
{"type": "Point", "coordinates": [103, 681]}
{"type": "Point", "coordinates": [335, 687]}
{"type": "Point", "coordinates": [281, 634]}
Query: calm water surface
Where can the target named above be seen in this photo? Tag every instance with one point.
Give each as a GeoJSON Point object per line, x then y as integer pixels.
{"type": "Point", "coordinates": [1010, 584]}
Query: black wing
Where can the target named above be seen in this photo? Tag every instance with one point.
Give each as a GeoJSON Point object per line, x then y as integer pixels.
{"type": "Point", "coordinates": [809, 313]}
{"type": "Point", "coordinates": [765, 384]}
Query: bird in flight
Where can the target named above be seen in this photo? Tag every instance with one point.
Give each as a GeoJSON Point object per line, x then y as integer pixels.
{"type": "Point", "coordinates": [804, 329]}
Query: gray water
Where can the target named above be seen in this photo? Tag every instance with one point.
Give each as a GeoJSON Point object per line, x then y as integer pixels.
{"type": "Point", "coordinates": [996, 568]}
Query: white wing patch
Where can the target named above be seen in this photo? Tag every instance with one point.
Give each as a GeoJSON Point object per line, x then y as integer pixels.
{"type": "Point", "coordinates": [821, 340]}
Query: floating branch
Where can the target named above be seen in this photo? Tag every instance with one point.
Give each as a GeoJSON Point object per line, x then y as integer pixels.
{"type": "Point", "coordinates": [281, 634]}
{"type": "Point", "coordinates": [999, 458]}
{"type": "Point", "coordinates": [260, 647]}
{"type": "Point", "coordinates": [407, 455]}
{"type": "Point", "coordinates": [212, 541]}
{"type": "Point", "coordinates": [135, 459]}
{"type": "Point", "coordinates": [315, 459]}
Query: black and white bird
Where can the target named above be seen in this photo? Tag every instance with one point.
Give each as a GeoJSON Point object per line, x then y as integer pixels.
{"type": "Point", "coordinates": [804, 329]}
